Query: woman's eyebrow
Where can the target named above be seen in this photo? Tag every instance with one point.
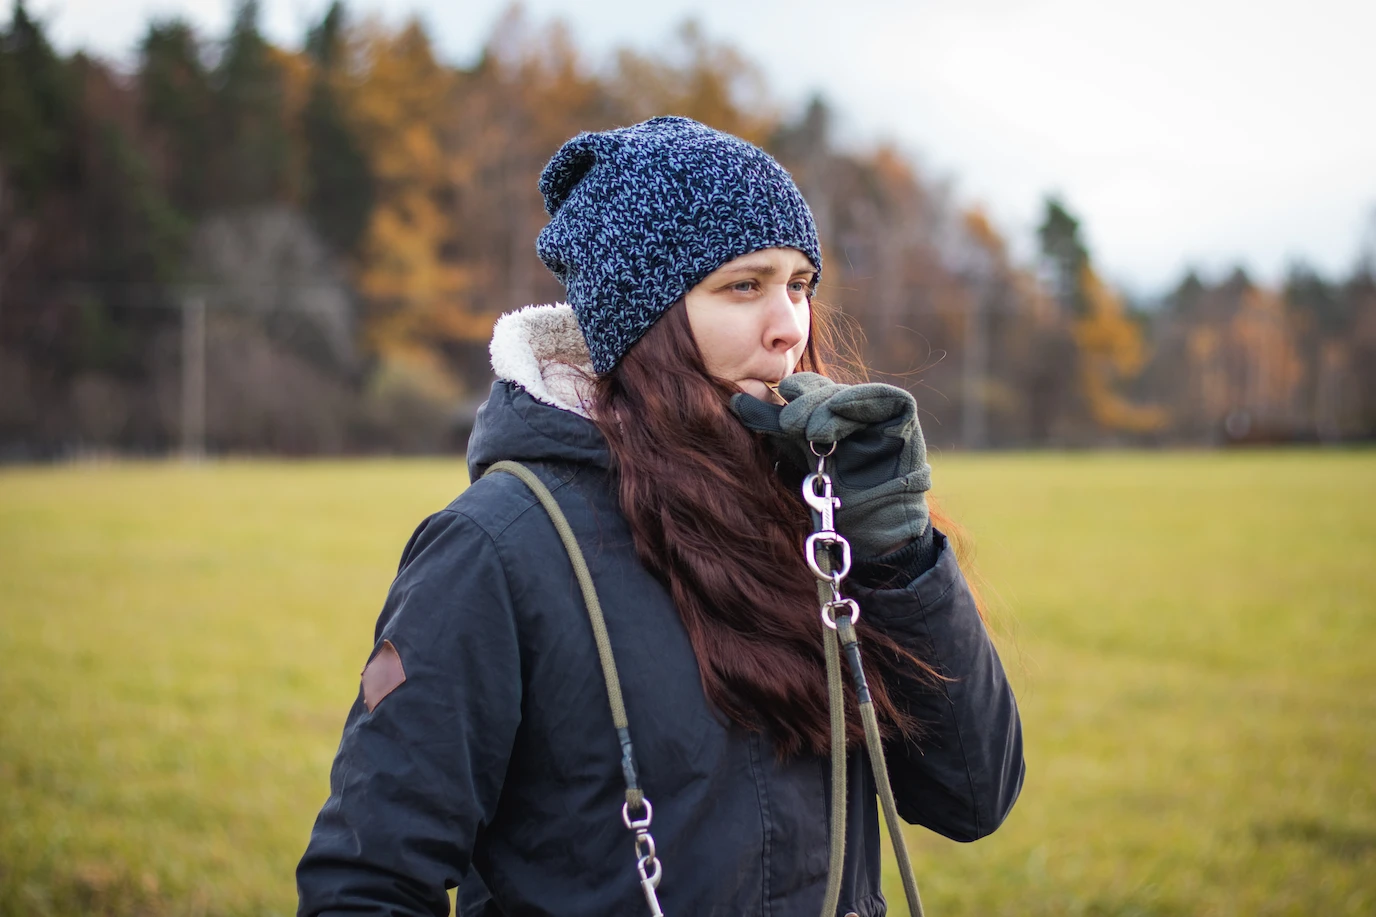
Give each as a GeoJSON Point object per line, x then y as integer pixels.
{"type": "Point", "coordinates": [761, 267]}
{"type": "Point", "coordinates": [765, 269]}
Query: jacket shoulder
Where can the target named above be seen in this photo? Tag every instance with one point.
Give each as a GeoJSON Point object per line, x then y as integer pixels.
{"type": "Point", "coordinates": [496, 502]}
{"type": "Point", "coordinates": [496, 516]}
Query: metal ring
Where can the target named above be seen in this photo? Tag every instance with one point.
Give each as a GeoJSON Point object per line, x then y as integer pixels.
{"type": "Point", "coordinates": [647, 852]}
{"type": "Point", "coordinates": [640, 823]}
{"type": "Point", "coordinates": [830, 621]}
{"type": "Point", "coordinates": [810, 552]}
{"type": "Point", "coordinates": [813, 446]}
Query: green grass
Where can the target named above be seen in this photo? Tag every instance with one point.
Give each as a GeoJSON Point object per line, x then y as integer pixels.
{"type": "Point", "coordinates": [1190, 634]}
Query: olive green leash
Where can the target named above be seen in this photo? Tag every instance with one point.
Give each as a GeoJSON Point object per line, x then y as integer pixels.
{"type": "Point", "coordinates": [836, 703]}
{"type": "Point", "coordinates": [647, 864]}
{"type": "Point", "coordinates": [825, 549]}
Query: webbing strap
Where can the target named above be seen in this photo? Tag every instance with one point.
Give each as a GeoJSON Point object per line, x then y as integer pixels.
{"type": "Point", "coordinates": [634, 794]}
{"type": "Point", "coordinates": [836, 702]}
{"type": "Point", "coordinates": [875, 745]}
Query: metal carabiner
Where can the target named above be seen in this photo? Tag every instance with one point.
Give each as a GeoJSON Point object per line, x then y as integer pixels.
{"type": "Point", "coordinates": [649, 881]}
{"type": "Point", "coordinates": [824, 503]}
{"type": "Point", "coordinates": [810, 551]}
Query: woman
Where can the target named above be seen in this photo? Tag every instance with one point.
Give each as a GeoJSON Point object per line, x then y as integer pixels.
{"type": "Point", "coordinates": [672, 409]}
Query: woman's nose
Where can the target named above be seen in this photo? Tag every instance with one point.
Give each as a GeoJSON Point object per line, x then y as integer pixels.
{"type": "Point", "coordinates": [784, 328]}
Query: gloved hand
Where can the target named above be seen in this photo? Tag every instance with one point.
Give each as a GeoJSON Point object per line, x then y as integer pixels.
{"type": "Point", "coordinates": [879, 469]}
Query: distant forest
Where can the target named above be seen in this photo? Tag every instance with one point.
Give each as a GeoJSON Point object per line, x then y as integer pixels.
{"type": "Point", "coordinates": [232, 246]}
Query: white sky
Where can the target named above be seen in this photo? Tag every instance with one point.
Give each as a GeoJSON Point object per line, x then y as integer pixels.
{"type": "Point", "coordinates": [1183, 132]}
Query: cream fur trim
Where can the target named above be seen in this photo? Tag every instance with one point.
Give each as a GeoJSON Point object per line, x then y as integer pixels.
{"type": "Point", "coordinates": [542, 349]}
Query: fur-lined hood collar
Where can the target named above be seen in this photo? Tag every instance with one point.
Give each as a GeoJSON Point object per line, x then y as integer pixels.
{"type": "Point", "coordinates": [542, 349]}
{"type": "Point", "coordinates": [538, 408]}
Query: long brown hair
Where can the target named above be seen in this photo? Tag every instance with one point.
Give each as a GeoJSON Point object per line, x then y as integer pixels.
{"type": "Point", "coordinates": [715, 522]}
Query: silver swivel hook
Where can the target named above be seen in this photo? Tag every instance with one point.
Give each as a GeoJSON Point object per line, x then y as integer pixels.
{"type": "Point", "coordinates": [831, 569]}
{"type": "Point", "coordinates": [647, 865]}
{"type": "Point", "coordinates": [818, 495]}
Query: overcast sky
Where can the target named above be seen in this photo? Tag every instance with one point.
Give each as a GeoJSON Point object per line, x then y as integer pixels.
{"type": "Point", "coordinates": [1183, 132]}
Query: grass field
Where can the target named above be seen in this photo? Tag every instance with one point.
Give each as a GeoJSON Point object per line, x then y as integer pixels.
{"type": "Point", "coordinates": [1191, 636]}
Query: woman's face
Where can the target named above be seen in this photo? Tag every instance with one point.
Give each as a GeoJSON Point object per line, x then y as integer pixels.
{"type": "Point", "coordinates": [750, 318]}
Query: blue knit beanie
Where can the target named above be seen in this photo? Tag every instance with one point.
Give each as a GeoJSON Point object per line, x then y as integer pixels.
{"type": "Point", "coordinates": [641, 214]}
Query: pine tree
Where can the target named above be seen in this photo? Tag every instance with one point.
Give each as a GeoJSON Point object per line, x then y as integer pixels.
{"type": "Point", "coordinates": [1110, 349]}
{"type": "Point", "coordinates": [175, 92]}
{"type": "Point", "coordinates": [340, 190]}
{"type": "Point", "coordinates": [1065, 253]}
{"type": "Point", "coordinates": [252, 143]}
{"type": "Point", "coordinates": [38, 111]}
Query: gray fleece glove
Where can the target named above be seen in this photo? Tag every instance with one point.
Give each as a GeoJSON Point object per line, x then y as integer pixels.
{"type": "Point", "coordinates": [879, 469]}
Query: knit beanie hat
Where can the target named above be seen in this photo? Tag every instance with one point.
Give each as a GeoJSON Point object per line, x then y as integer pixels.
{"type": "Point", "coordinates": [641, 214]}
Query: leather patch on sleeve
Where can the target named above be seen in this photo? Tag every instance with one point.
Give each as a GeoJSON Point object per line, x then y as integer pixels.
{"type": "Point", "coordinates": [382, 675]}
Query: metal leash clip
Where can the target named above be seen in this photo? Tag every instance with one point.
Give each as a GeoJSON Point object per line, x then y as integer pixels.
{"type": "Point", "coordinates": [646, 863]}
{"type": "Point", "coordinates": [818, 494]}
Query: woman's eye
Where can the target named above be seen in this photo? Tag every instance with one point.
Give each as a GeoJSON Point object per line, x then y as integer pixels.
{"type": "Point", "coordinates": [743, 286]}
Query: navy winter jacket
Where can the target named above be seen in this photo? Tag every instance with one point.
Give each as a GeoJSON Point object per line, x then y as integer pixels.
{"type": "Point", "coordinates": [494, 766]}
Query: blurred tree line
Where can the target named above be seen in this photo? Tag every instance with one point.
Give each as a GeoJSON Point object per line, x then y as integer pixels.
{"type": "Point", "coordinates": [302, 251]}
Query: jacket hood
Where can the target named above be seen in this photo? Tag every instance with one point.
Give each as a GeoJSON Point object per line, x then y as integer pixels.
{"type": "Point", "coordinates": [538, 407]}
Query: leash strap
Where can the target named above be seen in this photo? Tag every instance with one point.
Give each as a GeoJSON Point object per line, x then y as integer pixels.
{"type": "Point", "coordinates": [836, 703]}
{"type": "Point", "coordinates": [828, 555]}
{"type": "Point", "coordinates": [636, 811]}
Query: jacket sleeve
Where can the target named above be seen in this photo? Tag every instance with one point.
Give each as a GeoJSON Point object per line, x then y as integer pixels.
{"type": "Point", "coordinates": [417, 777]}
{"type": "Point", "coordinates": [964, 772]}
